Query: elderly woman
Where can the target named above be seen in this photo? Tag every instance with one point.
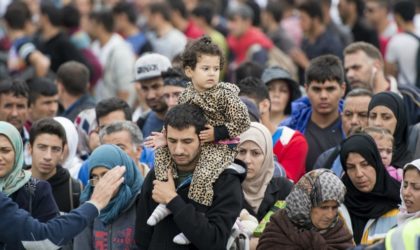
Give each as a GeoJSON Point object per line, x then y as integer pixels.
{"type": "Point", "coordinates": [371, 203]}
{"type": "Point", "coordinates": [310, 219]}
{"type": "Point", "coordinates": [386, 110]}
{"type": "Point", "coordinates": [260, 189]}
{"type": "Point", "coordinates": [116, 222]}
{"type": "Point", "coordinates": [31, 194]}
{"type": "Point", "coordinates": [410, 193]}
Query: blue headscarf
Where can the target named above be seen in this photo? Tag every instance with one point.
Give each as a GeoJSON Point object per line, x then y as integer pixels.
{"type": "Point", "coordinates": [110, 156]}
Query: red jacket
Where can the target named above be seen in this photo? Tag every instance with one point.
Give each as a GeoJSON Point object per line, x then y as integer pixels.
{"type": "Point", "coordinates": [240, 45]}
{"type": "Point", "coordinates": [291, 148]}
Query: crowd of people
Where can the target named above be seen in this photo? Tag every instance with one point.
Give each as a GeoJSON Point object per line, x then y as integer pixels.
{"type": "Point", "coordinates": [217, 124]}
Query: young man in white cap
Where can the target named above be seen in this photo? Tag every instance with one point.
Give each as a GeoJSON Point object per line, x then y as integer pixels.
{"type": "Point", "coordinates": [149, 81]}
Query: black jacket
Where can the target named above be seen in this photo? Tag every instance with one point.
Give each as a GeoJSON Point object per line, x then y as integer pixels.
{"type": "Point", "coordinates": [206, 227]}
{"type": "Point", "coordinates": [278, 189]}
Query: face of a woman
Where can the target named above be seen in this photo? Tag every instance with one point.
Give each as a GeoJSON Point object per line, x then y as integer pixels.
{"type": "Point", "coordinates": [360, 172]}
{"type": "Point", "coordinates": [323, 215]}
{"type": "Point", "coordinates": [97, 173]}
{"type": "Point", "coordinates": [383, 117]}
{"type": "Point", "coordinates": [411, 190]}
{"type": "Point", "coordinates": [279, 95]}
{"type": "Point", "coordinates": [250, 153]}
{"type": "Point", "coordinates": [7, 156]}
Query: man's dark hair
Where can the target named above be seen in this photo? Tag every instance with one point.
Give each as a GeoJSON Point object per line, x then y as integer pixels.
{"type": "Point", "coordinates": [325, 68]}
{"type": "Point", "coordinates": [161, 8]}
{"type": "Point", "coordinates": [74, 76]}
{"type": "Point", "coordinates": [17, 14]}
{"type": "Point", "coordinates": [248, 68]}
{"type": "Point", "coordinates": [112, 104]}
{"type": "Point", "coordinates": [178, 5]}
{"type": "Point", "coordinates": [199, 47]}
{"type": "Point", "coordinates": [253, 88]}
{"type": "Point", "coordinates": [41, 87]}
{"type": "Point", "coordinates": [52, 12]}
{"type": "Point", "coordinates": [17, 88]}
{"type": "Point", "coordinates": [128, 9]}
{"type": "Point", "coordinates": [275, 9]}
{"type": "Point", "coordinates": [313, 9]}
{"type": "Point", "coordinates": [405, 9]}
{"type": "Point", "coordinates": [105, 18]}
{"type": "Point", "coordinates": [47, 126]}
{"type": "Point", "coordinates": [204, 10]}
{"type": "Point", "coordinates": [359, 92]}
{"type": "Point", "coordinates": [183, 116]}
{"type": "Point", "coordinates": [360, 6]}
{"type": "Point", "coordinates": [70, 16]}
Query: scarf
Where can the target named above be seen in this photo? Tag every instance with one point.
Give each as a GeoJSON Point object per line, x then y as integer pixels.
{"type": "Point", "coordinates": [72, 138]}
{"type": "Point", "coordinates": [311, 190]}
{"type": "Point", "coordinates": [405, 216]}
{"type": "Point", "coordinates": [14, 180]}
{"type": "Point", "coordinates": [385, 195]}
{"type": "Point", "coordinates": [254, 188]}
{"type": "Point", "coordinates": [110, 156]}
{"type": "Point", "coordinates": [395, 103]}
{"type": "Point", "coordinates": [282, 233]}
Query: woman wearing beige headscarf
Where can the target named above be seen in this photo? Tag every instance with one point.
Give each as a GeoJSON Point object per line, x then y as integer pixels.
{"type": "Point", "coordinates": [260, 189]}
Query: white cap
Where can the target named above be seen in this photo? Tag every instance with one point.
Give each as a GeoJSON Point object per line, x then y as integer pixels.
{"type": "Point", "coordinates": [150, 66]}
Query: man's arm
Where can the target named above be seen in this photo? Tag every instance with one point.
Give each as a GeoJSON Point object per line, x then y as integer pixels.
{"type": "Point", "coordinates": [18, 226]}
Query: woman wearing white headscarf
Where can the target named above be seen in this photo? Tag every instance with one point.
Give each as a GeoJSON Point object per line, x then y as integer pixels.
{"type": "Point", "coordinates": [71, 161]}
{"type": "Point", "coordinates": [410, 193]}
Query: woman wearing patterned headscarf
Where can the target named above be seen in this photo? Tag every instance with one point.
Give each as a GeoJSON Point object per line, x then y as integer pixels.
{"type": "Point", "coordinates": [371, 203]}
{"type": "Point", "coordinates": [310, 219]}
{"type": "Point", "coordinates": [116, 222]}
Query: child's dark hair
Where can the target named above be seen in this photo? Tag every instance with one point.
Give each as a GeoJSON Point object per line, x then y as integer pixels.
{"type": "Point", "coordinates": [199, 47]}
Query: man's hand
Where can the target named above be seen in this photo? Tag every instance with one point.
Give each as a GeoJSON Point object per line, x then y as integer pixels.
{"type": "Point", "coordinates": [107, 186]}
{"type": "Point", "coordinates": [207, 135]}
{"type": "Point", "coordinates": [164, 191]}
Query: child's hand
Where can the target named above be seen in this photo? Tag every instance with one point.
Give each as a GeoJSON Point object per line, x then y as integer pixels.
{"type": "Point", "coordinates": [155, 140]}
{"type": "Point", "coordinates": [207, 135]}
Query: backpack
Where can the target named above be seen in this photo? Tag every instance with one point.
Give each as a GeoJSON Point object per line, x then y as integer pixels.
{"type": "Point", "coordinates": [75, 189]}
{"type": "Point", "coordinates": [417, 80]}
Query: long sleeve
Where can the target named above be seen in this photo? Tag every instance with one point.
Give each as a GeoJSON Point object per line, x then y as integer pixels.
{"type": "Point", "coordinates": [143, 232]}
{"type": "Point", "coordinates": [18, 226]}
{"type": "Point", "coordinates": [212, 229]}
{"type": "Point", "coordinates": [44, 206]}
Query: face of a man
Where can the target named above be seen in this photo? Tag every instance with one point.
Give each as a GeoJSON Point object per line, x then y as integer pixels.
{"type": "Point", "coordinates": [237, 26]}
{"type": "Point", "coordinates": [184, 147]}
{"type": "Point", "coordinates": [117, 115]}
{"type": "Point", "coordinates": [13, 109]}
{"type": "Point", "coordinates": [360, 71]}
{"type": "Point", "coordinates": [47, 152]}
{"type": "Point", "coordinates": [123, 140]}
{"type": "Point", "coordinates": [355, 112]}
{"type": "Point", "coordinates": [375, 12]}
{"type": "Point", "coordinates": [153, 92]}
{"type": "Point", "coordinates": [43, 107]}
{"type": "Point", "coordinates": [305, 22]}
{"type": "Point", "coordinates": [324, 97]}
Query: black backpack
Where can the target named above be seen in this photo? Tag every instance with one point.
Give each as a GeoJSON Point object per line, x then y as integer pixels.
{"type": "Point", "coordinates": [417, 81]}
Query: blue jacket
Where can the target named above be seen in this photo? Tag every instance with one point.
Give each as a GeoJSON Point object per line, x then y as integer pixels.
{"type": "Point", "coordinates": [301, 114]}
{"type": "Point", "coordinates": [17, 225]}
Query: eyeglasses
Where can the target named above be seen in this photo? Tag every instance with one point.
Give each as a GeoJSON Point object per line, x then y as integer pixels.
{"type": "Point", "coordinates": [93, 181]}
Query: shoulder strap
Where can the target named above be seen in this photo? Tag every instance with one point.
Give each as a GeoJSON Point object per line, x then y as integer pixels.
{"type": "Point", "coordinates": [417, 80]}
{"type": "Point", "coordinates": [142, 120]}
{"type": "Point", "coordinates": [75, 188]}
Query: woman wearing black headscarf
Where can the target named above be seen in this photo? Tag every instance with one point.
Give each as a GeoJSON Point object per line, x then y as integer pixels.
{"type": "Point", "coordinates": [371, 202]}
{"type": "Point", "coordinates": [386, 109]}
